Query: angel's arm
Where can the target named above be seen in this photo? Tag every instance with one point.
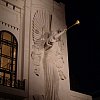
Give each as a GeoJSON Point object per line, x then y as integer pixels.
{"type": "Point", "coordinates": [58, 35]}
{"type": "Point", "coordinates": [48, 44]}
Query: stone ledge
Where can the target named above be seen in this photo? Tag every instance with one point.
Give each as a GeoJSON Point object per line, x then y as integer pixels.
{"type": "Point", "coordinates": [12, 91]}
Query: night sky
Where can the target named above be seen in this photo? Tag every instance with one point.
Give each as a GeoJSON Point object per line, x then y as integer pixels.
{"type": "Point", "coordinates": [84, 45]}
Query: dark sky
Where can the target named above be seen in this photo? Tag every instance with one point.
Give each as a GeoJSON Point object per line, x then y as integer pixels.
{"type": "Point", "coordinates": [84, 45]}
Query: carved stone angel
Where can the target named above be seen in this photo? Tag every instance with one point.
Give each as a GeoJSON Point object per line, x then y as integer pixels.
{"type": "Point", "coordinates": [53, 64]}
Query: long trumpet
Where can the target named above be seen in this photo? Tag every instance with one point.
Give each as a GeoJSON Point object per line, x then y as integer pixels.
{"type": "Point", "coordinates": [65, 30]}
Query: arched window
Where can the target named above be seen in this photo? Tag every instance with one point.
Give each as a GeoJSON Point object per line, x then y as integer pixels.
{"type": "Point", "coordinates": [8, 58]}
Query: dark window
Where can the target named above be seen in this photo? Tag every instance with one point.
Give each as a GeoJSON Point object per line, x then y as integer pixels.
{"type": "Point", "coordinates": [8, 58]}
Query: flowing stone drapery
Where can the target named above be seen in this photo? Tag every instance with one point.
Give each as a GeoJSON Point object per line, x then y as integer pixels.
{"type": "Point", "coordinates": [51, 72]}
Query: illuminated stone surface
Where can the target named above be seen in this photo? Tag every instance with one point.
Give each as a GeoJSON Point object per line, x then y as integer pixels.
{"type": "Point", "coordinates": [46, 71]}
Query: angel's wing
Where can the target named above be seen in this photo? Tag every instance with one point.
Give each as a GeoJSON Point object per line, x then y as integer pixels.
{"type": "Point", "coordinates": [40, 25]}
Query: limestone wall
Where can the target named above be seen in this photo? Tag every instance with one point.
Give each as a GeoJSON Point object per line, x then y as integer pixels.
{"type": "Point", "coordinates": [40, 23]}
{"type": "Point", "coordinates": [11, 19]}
{"type": "Point", "coordinates": [30, 21]}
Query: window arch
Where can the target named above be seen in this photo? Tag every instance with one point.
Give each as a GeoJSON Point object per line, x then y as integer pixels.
{"type": "Point", "coordinates": [8, 58]}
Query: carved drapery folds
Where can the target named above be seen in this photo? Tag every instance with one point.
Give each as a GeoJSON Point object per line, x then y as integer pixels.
{"type": "Point", "coordinates": [52, 59]}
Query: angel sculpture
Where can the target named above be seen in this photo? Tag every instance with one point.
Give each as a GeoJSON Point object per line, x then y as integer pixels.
{"type": "Point", "coordinates": [48, 42]}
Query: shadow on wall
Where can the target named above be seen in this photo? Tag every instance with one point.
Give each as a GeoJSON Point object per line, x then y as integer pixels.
{"type": "Point", "coordinates": [38, 97]}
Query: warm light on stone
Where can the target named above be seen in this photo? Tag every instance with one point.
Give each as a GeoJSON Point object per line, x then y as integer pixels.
{"type": "Point", "coordinates": [77, 22]}
{"type": "Point", "coordinates": [45, 68]}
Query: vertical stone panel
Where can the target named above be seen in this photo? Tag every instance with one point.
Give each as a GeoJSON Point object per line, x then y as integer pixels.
{"type": "Point", "coordinates": [58, 22]}
{"type": "Point", "coordinates": [40, 18]}
{"type": "Point", "coordinates": [39, 24]}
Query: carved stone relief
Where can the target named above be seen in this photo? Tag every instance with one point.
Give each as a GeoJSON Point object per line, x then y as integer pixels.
{"type": "Point", "coordinates": [39, 26]}
{"type": "Point", "coordinates": [52, 59]}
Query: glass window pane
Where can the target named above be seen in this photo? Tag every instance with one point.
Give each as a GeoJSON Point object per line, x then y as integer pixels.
{"type": "Point", "coordinates": [14, 53]}
{"type": "Point", "coordinates": [14, 65]}
{"type": "Point", "coordinates": [7, 79]}
{"type": "Point", "coordinates": [0, 51]}
{"type": "Point", "coordinates": [6, 50]}
{"type": "Point", "coordinates": [13, 80]}
{"type": "Point", "coordinates": [9, 65]}
{"type": "Point", "coordinates": [7, 36]}
{"type": "Point", "coordinates": [0, 45]}
{"type": "Point", "coordinates": [1, 77]}
{"type": "Point", "coordinates": [13, 68]}
{"type": "Point", "coordinates": [14, 41]}
{"type": "Point", "coordinates": [4, 62]}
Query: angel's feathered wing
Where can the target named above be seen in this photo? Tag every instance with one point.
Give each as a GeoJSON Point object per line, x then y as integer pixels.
{"type": "Point", "coordinates": [41, 24]}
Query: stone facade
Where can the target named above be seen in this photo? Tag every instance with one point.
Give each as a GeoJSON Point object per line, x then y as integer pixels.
{"type": "Point", "coordinates": [30, 21]}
